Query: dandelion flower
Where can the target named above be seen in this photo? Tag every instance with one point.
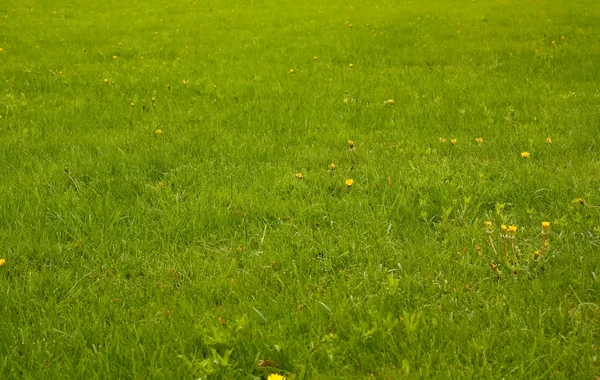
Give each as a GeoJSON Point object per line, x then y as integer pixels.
{"type": "Point", "coordinates": [299, 175]}
{"type": "Point", "coordinates": [525, 154]}
{"type": "Point", "coordinates": [106, 80]}
{"type": "Point", "coordinates": [512, 229]}
{"type": "Point", "coordinates": [185, 82]}
{"type": "Point", "coordinates": [158, 132]}
{"type": "Point", "coordinates": [553, 42]}
{"type": "Point", "coordinates": [1, 50]}
{"type": "Point", "coordinates": [545, 226]}
{"type": "Point", "coordinates": [488, 225]}
{"type": "Point", "coordinates": [345, 100]}
{"type": "Point", "coordinates": [390, 101]}
{"type": "Point", "coordinates": [131, 104]}
{"type": "Point", "coordinates": [349, 182]}
{"type": "Point", "coordinates": [315, 57]}
{"type": "Point", "coordinates": [580, 200]}
{"type": "Point", "coordinates": [351, 144]}
{"type": "Point", "coordinates": [114, 57]}
{"type": "Point", "coordinates": [275, 376]}
{"type": "Point", "coordinates": [332, 166]}
{"type": "Point", "coordinates": [351, 66]}
{"type": "Point", "coordinates": [503, 228]}
{"type": "Point", "coordinates": [453, 141]}
{"type": "Point", "coordinates": [350, 25]}
{"type": "Point", "coordinates": [536, 254]}
{"type": "Point", "coordinates": [2, 262]}
{"type": "Point", "coordinates": [479, 140]}
{"type": "Point", "coordinates": [291, 71]}
{"type": "Point", "coordinates": [562, 37]}
{"type": "Point", "coordinates": [548, 140]}
{"type": "Point", "coordinates": [442, 140]}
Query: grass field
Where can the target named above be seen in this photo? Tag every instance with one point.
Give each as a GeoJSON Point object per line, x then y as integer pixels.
{"type": "Point", "coordinates": [168, 207]}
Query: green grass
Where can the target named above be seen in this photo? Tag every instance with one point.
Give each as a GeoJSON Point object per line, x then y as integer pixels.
{"type": "Point", "coordinates": [198, 253]}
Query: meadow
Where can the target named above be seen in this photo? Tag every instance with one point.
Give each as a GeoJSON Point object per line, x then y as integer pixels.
{"type": "Point", "coordinates": [314, 189]}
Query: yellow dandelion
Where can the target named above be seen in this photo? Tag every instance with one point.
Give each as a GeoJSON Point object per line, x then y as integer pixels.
{"type": "Point", "coordinates": [536, 254]}
{"type": "Point", "coordinates": [562, 37]}
{"type": "Point", "coordinates": [184, 82]}
{"type": "Point", "coordinates": [142, 57]}
{"type": "Point", "coordinates": [332, 166]}
{"type": "Point", "coordinates": [299, 175]}
{"type": "Point", "coordinates": [553, 42]}
{"type": "Point", "coordinates": [60, 73]}
{"type": "Point", "coordinates": [345, 100]}
{"type": "Point", "coordinates": [169, 86]}
{"type": "Point", "coordinates": [367, 25]}
{"type": "Point", "coordinates": [453, 141]}
{"type": "Point", "coordinates": [275, 376]}
{"type": "Point", "coordinates": [115, 57]}
{"type": "Point", "coordinates": [442, 140]}
{"type": "Point", "coordinates": [2, 262]}
{"type": "Point", "coordinates": [503, 228]}
{"type": "Point", "coordinates": [390, 101]}
{"type": "Point", "coordinates": [1, 50]}
{"type": "Point", "coordinates": [488, 225]}
{"type": "Point", "coordinates": [351, 144]}
{"type": "Point", "coordinates": [548, 140]}
{"type": "Point", "coordinates": [525, 154]}
{"type": "Point", "coordinates": [545, 226]}
{"type": "Point", "coordinates": [158, 132]}
{"type": "Point", "coordinates": [315, 57]}
{"type": "Point", "coordinates": [580, 200]}
{"type": "Point", "coordinates": [350, 25]}
{"type": "Point", "coordinates": [291, 71]}
{"type": "Point", "coordinates": [153, 99]}
{"type": "Point", "coordinates": [351, 65]}
{"type": "Point", "coordinates": [106, 80]}
{"type": "Point", "coordinates": [512, 229]}
{"type": "Point", "coordinates": [349, 182]}
{"type": "Point", "coordinates": [479, 140]}
{"type": "Point", "coordinates": [131, 104]}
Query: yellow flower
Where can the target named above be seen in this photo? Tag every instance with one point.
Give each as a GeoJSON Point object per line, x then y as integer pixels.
{"type": "Point", "coordinates": [503, 228]}
{"type": "Point", "coordinates": [479, 140]}
{"type": "Point", "coordinates": [546, 226]}
{"type": "Point", "coordinates": [332, 166]}
{"type": "Point", "coordinates": [350, 25]}
{"type": "Point", "coordinates": [349, 182]}
{"type": "Point", "coordinates": [184, 82]}
{"type": "Point", "coordinates": [351, 65]}
{"type": "Point", "coordinates": [275, 376]}
{"type": "Point", "coordinates": [106, 80]}
{"type": "Point", "coordinates": [562, 37]}
{"type": "Point", "coordinates": [1, 50]}
{"type": "Point", "coordinates": [553, 42]}
{"type": "Point", "coordinates": [351, 144]}
{"type": "Point", "coordinates": [114, 57]}
{"type": "Point", "coordinates": [169, 86]}
{"type": "Point", "coordinates": [580, 200]}
{"type": "Point", "coordinates": [132, 104]}
{"type": "Point", "coordinates": [158, 131]}
{"type": "Point", "coordinates": [391, 101]}
{"type": "Point", "coordinates": [2, 262]}
{"type": "Point", "coordinates": [488, 225]}
{"type": "Point", "coordinates": [315, 57]}
{"type": "Point", "coordinates": [60, 73]}
{"type": "Point", "coordinates": [291, 71]}
{"type": "Point", "coordinates": [442, 140]}
{"type": "Point", "coordinates": [299, 175]}
{"type": "Point", "coordinates": [512, 229]}
{"type": "Point", "coordinates": [453, 141]}
{"type": "Point", "coordinates": [525, 154]}
{"type": "Point", "coordinates": [548, 140]}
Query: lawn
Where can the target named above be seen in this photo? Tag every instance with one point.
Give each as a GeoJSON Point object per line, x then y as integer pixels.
{"type": "Point", "coordinates": [316, 189]}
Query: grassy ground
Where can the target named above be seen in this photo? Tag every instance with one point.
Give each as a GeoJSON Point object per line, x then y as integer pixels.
{"type": "Point", "coordinates": [153, 225]}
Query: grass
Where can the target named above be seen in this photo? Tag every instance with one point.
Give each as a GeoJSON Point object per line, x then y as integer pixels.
{"type": "Point", "coordinates": [197, 252]}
